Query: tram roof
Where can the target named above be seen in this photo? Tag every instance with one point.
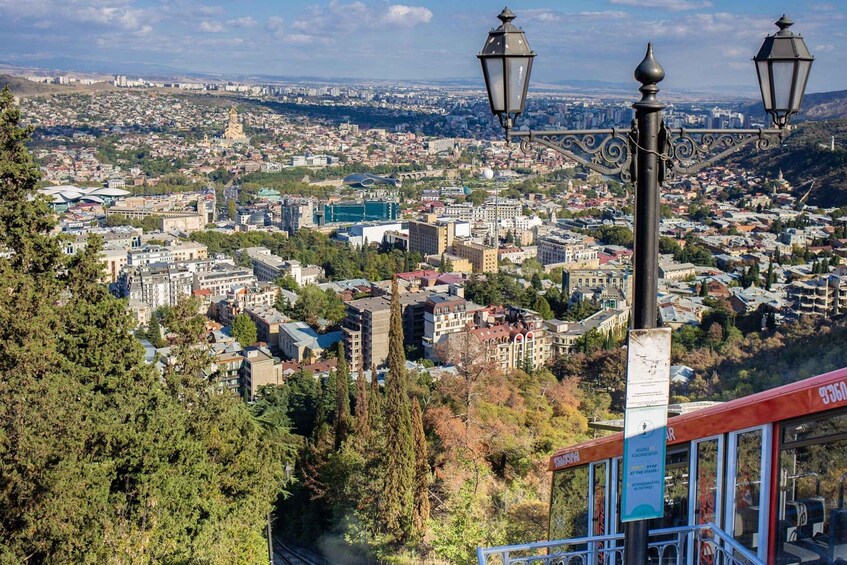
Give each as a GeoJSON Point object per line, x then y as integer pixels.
{"type": "Point", "coordinates": [808, 396]}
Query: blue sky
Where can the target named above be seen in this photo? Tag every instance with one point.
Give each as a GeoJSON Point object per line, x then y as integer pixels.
{"type": "Point", "coordinates": [701, 43]}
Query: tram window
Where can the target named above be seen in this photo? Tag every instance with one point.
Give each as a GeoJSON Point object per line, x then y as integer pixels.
{"type": "Point", "coordinates": [747, 492]}
{"type": "Point", "coordinates": [812, 519]}
{"type": "Point", "coordinates": [598, 520]}
{"type": "Point", "coordinates": [676, 492]}
{"type": "Point", "coordinates": [817, 429]}
{"type": "Point", "coordinates": [569, 503]}
{"type": "Point", "coordinates": [705, 505]}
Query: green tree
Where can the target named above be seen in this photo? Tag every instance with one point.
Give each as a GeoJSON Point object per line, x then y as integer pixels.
{"type": "Point", "coordinates": [398, 501]}
{"type": "Point", "coordinates": [477, 197]}
{"type": "Point", "coordinates": [243, 330]}
{"type": "Point", "coordinates": [420, 514]}
{"type": "Point", "coordinates": [154, 332]}
{"type": "Point", "coordinates": [543, 307]}
{"type": "Point", "coordinates": [361, 422]}
{"type": "Point", "coordinates": [231, 209]}
{"type": "Point", "coordinates": [342, 398]}
{"type": "Point", "coordinates": [287, 282]}
{"type": "Point", "coordinates": [100, 459]}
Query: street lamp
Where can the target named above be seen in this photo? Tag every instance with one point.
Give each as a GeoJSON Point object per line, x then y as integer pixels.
{"type": "Point", "coordinates": [506, 64]}
{"type": "Point", "coordinates": [647, 153]}
{"type": "Point", "coordinates": [783, 65]}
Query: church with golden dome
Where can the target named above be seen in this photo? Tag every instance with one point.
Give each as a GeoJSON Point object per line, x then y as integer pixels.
{"type": "Point", "coordinates": [234, 132]}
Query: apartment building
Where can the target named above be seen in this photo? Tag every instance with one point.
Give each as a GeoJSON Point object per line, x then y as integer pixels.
{"type": "Point", "coordinates": [825, 296]}
{"type": "Point", "coordinates": [594, 278]}
{"type": "Point", "coordinates": [367, 324]}
{"type": "Point", "coordinates": [297, 213]}
{"type": "Point", "coordinates": [482, 258]}
{"type": "Point", "coordinates": [222, 279]}
{"type": "Point", "coordinates": [270, 267]}
{"type": "Point", "coordinates": [513, 337]}
{"type": "Point", "coordinates": [553, 249]}
{"type": "Point", "coordinates": [268, 320]}
{"type": "Point", "coordinates": [443, 314]}
{"type": "Point", "coordinates": [429, 237]}
{"type": "Point", "coordinates": [565, 335]}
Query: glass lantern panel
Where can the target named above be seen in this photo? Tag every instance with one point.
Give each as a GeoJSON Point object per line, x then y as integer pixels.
{"type": "Point", "coordinates": [783, 77]}
{"type": "Point", "coordinates": [518, 76]}
{"type": "Point", "coordinates": [800, 86]}
{"type": "Point", "coordinates": [764, 71]}
{"type": "Point", "coordinates": [496, 83]}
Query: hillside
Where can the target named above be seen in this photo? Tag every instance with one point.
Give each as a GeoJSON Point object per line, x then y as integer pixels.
{"type": "Point", "coordinates": [805, 156]}
{"type": "Point", "coordinates": [817, 106]}
{"type": "Point", "coordinates": [23, 88]}
{"type": "Point", "coordinates": [825, 105]}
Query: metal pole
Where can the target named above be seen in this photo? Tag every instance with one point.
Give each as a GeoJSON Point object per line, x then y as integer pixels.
{"type": "Point", "coordinates": [648, 115]}
{"type": "Point", "coordinates": [270, 542]}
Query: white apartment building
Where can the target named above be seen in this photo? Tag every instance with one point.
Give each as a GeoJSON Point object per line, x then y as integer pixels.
{"type": "Point", "coordinates": [556, 249]}
{"type": "Point", "coordinates": [443, 314]}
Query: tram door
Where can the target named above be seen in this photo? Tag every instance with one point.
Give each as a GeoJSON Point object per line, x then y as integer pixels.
{"type": "Point", "coordinates": [748, 488]}
{"type": "Point", "coordinates": [599, 499]}
{"type": "Point", "coordinates": [706, 486]}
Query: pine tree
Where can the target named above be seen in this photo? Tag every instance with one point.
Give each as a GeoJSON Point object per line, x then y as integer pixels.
{"type": "Point", "coordinates": [25, 216]}
{"type": "Point", "coordinates": [374, 402]}
{"type": "Point", "coordinates": [99, 462]}
{"type": "Point", "coordinates": [396, 515]}
{"type": "Point", "coordinates": [704, 288]}
{"type": "Point", "coordinates": [243, 330]}
{"type": "Point", "coordinates": [420, 514]}
{"type": "Point", "coordinates": [361, 425]}
{"type": "Point", "coordinates": [770, 276]}
{"type": "Point", "coordinates": [154, 332]}
{"type": "Point", "coordinates": [342, 399]}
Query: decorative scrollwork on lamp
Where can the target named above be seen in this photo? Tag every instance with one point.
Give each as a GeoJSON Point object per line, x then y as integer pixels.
{"type": "Point", "coordinates": [606, 151]}
{"type": "Point", "coordinates": [690, 150]}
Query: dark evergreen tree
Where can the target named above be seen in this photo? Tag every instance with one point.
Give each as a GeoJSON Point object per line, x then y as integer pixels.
{"type": "Point", "coordinates": [154, 332]}
{"type": "Point", "coordinates": [243, 329]}
{"type": "Point", "coordinates": [99, 461]}
{"type": "Point", "coordinates": [398, 501]}
{"type": "Point", "coordinates": [361, 424]}
{"type": "Point", "coordinates": [420, 514]}
{"type": "Point", "coordinates": [342, 399]}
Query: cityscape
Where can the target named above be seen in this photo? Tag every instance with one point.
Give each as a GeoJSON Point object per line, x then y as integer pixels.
{"type": "Point", "coordinates": [300, 319]}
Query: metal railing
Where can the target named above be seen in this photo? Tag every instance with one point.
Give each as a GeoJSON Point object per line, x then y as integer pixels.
{"type": "Point", "coordinates": [688, 545]}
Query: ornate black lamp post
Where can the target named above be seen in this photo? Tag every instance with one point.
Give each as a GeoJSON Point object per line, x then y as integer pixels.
{"type": "Point", "coordinates": [648, 152]}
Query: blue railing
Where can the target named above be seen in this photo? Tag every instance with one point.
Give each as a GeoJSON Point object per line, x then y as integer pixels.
{"type": "Point", "coordinates": [689, 545]}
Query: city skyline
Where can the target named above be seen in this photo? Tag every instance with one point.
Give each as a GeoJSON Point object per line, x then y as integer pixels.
{"type": "Point", "coordinates": [586, 40]}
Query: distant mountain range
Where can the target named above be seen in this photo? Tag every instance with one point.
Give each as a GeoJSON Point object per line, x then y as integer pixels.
{"type": "Point", "coordinates": [816, 106]}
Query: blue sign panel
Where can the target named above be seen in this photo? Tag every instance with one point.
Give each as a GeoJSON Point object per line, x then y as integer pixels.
{"type": "Point", "coordinates": [644, 463]}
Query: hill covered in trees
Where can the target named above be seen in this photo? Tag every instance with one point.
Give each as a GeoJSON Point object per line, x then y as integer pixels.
{"type": "Point", "coordinates": [805, 156]}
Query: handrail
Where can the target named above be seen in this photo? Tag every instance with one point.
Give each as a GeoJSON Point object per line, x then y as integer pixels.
{"type": "Point", "coordinates": [729, 547]}
{"type": "Point", "coordinates": [736, 547]}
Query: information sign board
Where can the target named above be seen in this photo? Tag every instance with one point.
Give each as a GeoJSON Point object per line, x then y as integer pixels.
{"type": "Point", "coordinates": [645, 424]}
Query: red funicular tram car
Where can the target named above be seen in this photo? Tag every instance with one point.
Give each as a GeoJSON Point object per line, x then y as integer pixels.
{"type": "Point", "coordinates": [767, 472]}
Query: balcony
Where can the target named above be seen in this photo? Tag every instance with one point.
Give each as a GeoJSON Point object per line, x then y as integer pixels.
{"type": "Point", "coordinates": [704, 544]}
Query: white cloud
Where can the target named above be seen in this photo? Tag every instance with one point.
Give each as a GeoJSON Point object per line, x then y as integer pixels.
{"type": "Point", "coordinates": [246, 21]}
{"type": "Point", "coordinates": [407, 16]}
{"type": "Point", "coordinates": [823, 48]}
{"type": "Point", "coordinates": [673, 5]}
{"type": "Point", "coordinates": [276, 26]}
{"type": "Point", "coordinates": [211, 27]}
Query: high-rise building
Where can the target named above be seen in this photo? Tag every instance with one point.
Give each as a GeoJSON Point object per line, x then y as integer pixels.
{"type": "Point", "coordinates": [368, 321]}
{"type": "Point", "coordinates": [482, 258]}
{"type": "Point", "coordinates": [430, 237]}
{"type": "Point", "coordinates": [297, 213]}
